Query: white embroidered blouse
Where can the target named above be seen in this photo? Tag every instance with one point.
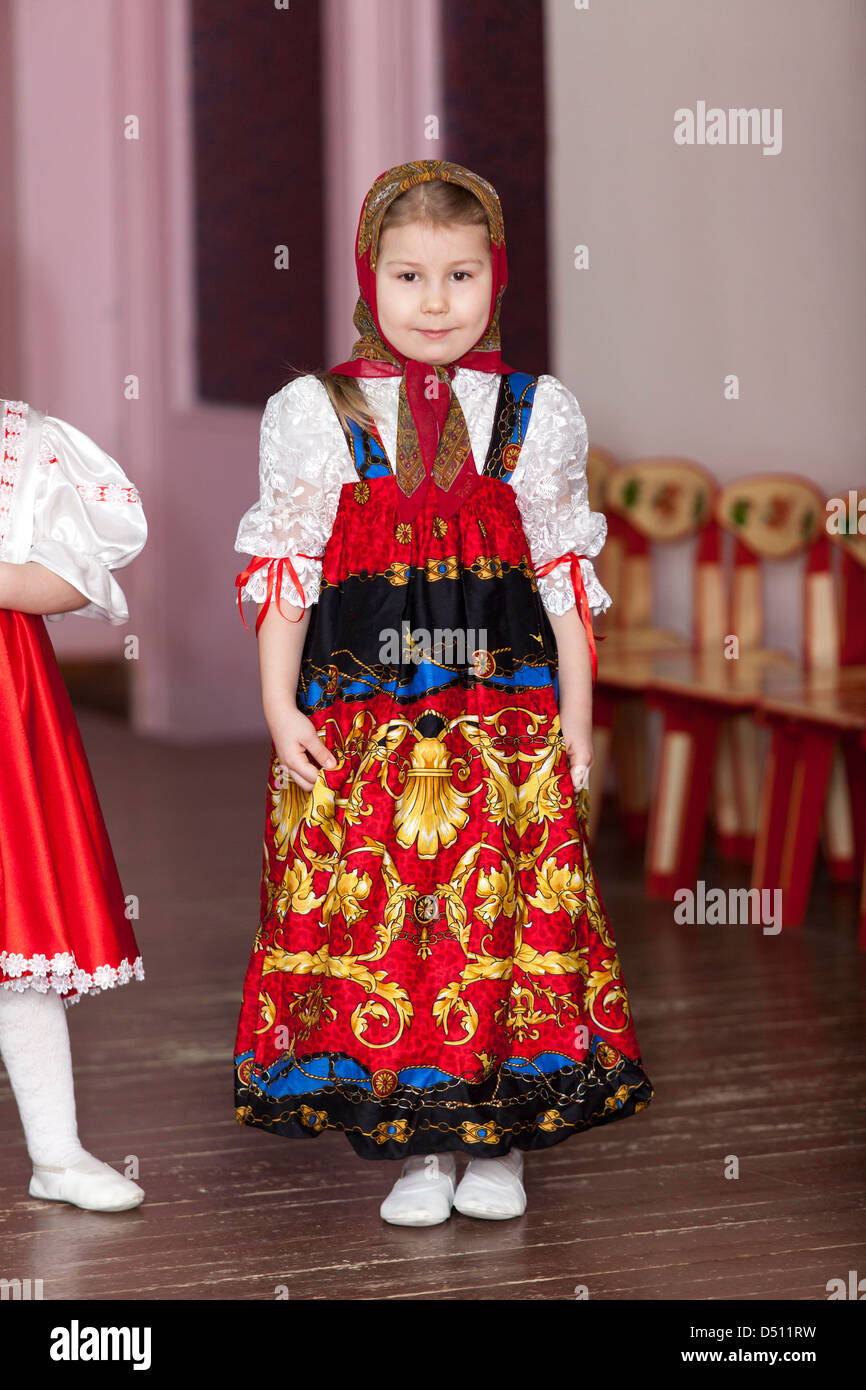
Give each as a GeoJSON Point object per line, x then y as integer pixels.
{"type": "Point", "coordinates": [304, 461]}
{"type": "Point", "coordinates": [67, 505]}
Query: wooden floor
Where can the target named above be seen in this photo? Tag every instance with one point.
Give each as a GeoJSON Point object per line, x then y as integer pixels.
{"type": "Point", "coordinates": [755, 1046]}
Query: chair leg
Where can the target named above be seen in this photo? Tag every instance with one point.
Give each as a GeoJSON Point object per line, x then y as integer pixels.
{"type": "Point", "coordinates": [796, 776]}
{"type": "Point", "coordinates": [837, 835]}
{"type": "Point", "coordinates": [749, 753]}
{"type": "Point", "coordinates": [855, 766]}
{"type": "Point", "coordinates": [603, 715]}
{"type": "Point", "coordinates": [737, 788]}
{"type": "Point", "coordinates": [630, 752]}
{"type": "Point", "coordinates": [855, 762]}
{"type": "Point", "coordinates": [725, 807]}
{"type": "Point", "coordinates": [679, 805]}
{"type": "Point", "coordinates": [597, 775]}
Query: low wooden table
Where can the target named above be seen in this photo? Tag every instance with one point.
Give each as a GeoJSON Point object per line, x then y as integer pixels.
{"type": "Point", "coordinates": [696, 692]}
{"type": "Point", "coordinates": [809, 713]}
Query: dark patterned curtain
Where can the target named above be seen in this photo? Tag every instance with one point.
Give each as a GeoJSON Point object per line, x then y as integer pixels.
{"type": "Point", "coordinates": [493, 71]}
{"type": "Point", "coordinates": [257, 116]}
{"type": "Point", "coordinates": [257, 121]}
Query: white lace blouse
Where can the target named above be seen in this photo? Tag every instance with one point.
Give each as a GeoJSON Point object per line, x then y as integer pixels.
{"type": "Point", "coordinates": [67, 505]}
{"type": "Point", "coordinates": [304, 461]}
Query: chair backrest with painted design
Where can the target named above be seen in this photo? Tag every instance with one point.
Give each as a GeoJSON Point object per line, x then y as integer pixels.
{"type": "Point", "coordinates": [656, 501]}
{"type": "Point", "coordinates": [773, 517]}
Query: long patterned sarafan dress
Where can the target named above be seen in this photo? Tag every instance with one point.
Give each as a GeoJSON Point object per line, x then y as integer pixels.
{"type": "Point", "coordinates": [434, 968]}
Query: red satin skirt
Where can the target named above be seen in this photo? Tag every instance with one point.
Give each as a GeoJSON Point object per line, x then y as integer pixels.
{"type": "Point", "coordinates": [63, 924]}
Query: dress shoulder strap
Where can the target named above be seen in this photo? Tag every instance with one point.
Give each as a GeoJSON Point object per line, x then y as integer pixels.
{"type": "Point", "coordinates": [513, 410]}
{"type": "Point", "coordinates": [365, 448]}
{"type": "Point", "coordinates": [368, 456]}
{"type": "Point", "coordinates": [511, 419]}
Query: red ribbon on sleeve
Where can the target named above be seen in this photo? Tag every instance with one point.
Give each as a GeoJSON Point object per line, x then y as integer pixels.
{"type": "Point", "coordinates": [275, 571]}
{"type": "Point", "coordinates": [582, 600]}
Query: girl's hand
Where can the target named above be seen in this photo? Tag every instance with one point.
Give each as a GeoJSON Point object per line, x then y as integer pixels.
{"type": "Point", "coordinates": [576, 729]}
{"type": "Point", "coordinates": [295, 738]}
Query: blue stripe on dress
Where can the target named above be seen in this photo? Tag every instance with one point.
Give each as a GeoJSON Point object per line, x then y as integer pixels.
{"type": "Point", "coordinates": [299, 1078]}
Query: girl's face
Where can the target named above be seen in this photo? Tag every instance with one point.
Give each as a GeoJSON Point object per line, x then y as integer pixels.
{"type": "Point", "coordinates": [433, 288]}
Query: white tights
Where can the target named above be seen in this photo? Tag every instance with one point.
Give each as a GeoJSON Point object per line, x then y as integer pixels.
{"type": "Point", "coordinates": [34, 1045]}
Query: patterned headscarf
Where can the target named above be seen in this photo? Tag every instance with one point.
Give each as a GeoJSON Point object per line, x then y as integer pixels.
{"type": "Point", "coordinates": [433, 444]}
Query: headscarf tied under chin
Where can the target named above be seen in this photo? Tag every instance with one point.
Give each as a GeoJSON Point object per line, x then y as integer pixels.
{"type": "Point", "coordinates": [433, 445]}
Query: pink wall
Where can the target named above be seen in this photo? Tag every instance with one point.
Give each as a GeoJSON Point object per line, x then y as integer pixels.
{"type": "Point", "coordinates": [66, 143]}
{"type": "Point", "coordinates": [709, 260]}
{"type": "Point", "coordinates": [9, 344]}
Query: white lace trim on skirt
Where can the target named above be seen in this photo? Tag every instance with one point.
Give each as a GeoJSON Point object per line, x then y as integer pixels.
{"type": "Point", "coordinates": [62, 974]}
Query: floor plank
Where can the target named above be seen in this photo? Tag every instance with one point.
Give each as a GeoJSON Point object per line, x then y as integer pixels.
{"type": "Point", "coordinates": [755, 1044]}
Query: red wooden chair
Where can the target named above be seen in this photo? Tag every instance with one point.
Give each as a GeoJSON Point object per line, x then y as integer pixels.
{"type": "Point", "coordinates": [844, 826]}
{"type": "Point", "coordinates": [766, 517]}
{"type": "Point", "coordinates": [818, 730]}
{"type": "Point", "coordinates": [709, 702]}
{"type": "Point", "coordinates": [650, 502]}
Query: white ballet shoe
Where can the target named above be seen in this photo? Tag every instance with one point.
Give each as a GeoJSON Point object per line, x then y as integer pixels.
{"type": "Point", "coordinates": [424, 1193]}
{"type": "Point", "coordinates": [492, 1188]}
{"type": "Point", "coordinates": [90, 1184]}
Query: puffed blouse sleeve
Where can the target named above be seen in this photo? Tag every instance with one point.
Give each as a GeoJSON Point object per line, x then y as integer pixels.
{"type": "Point", "coordinates": [552, 496]}
{"type": "Point", "coordinates": [87, 519]}
{"type": "Point", "coordinates": [303, 462]}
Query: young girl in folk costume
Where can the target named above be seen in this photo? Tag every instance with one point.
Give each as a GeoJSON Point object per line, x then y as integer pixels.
{"type": "Point", "coordinates": [434, 970]}
{"type": "Point", "coordinates": [68, 517]}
